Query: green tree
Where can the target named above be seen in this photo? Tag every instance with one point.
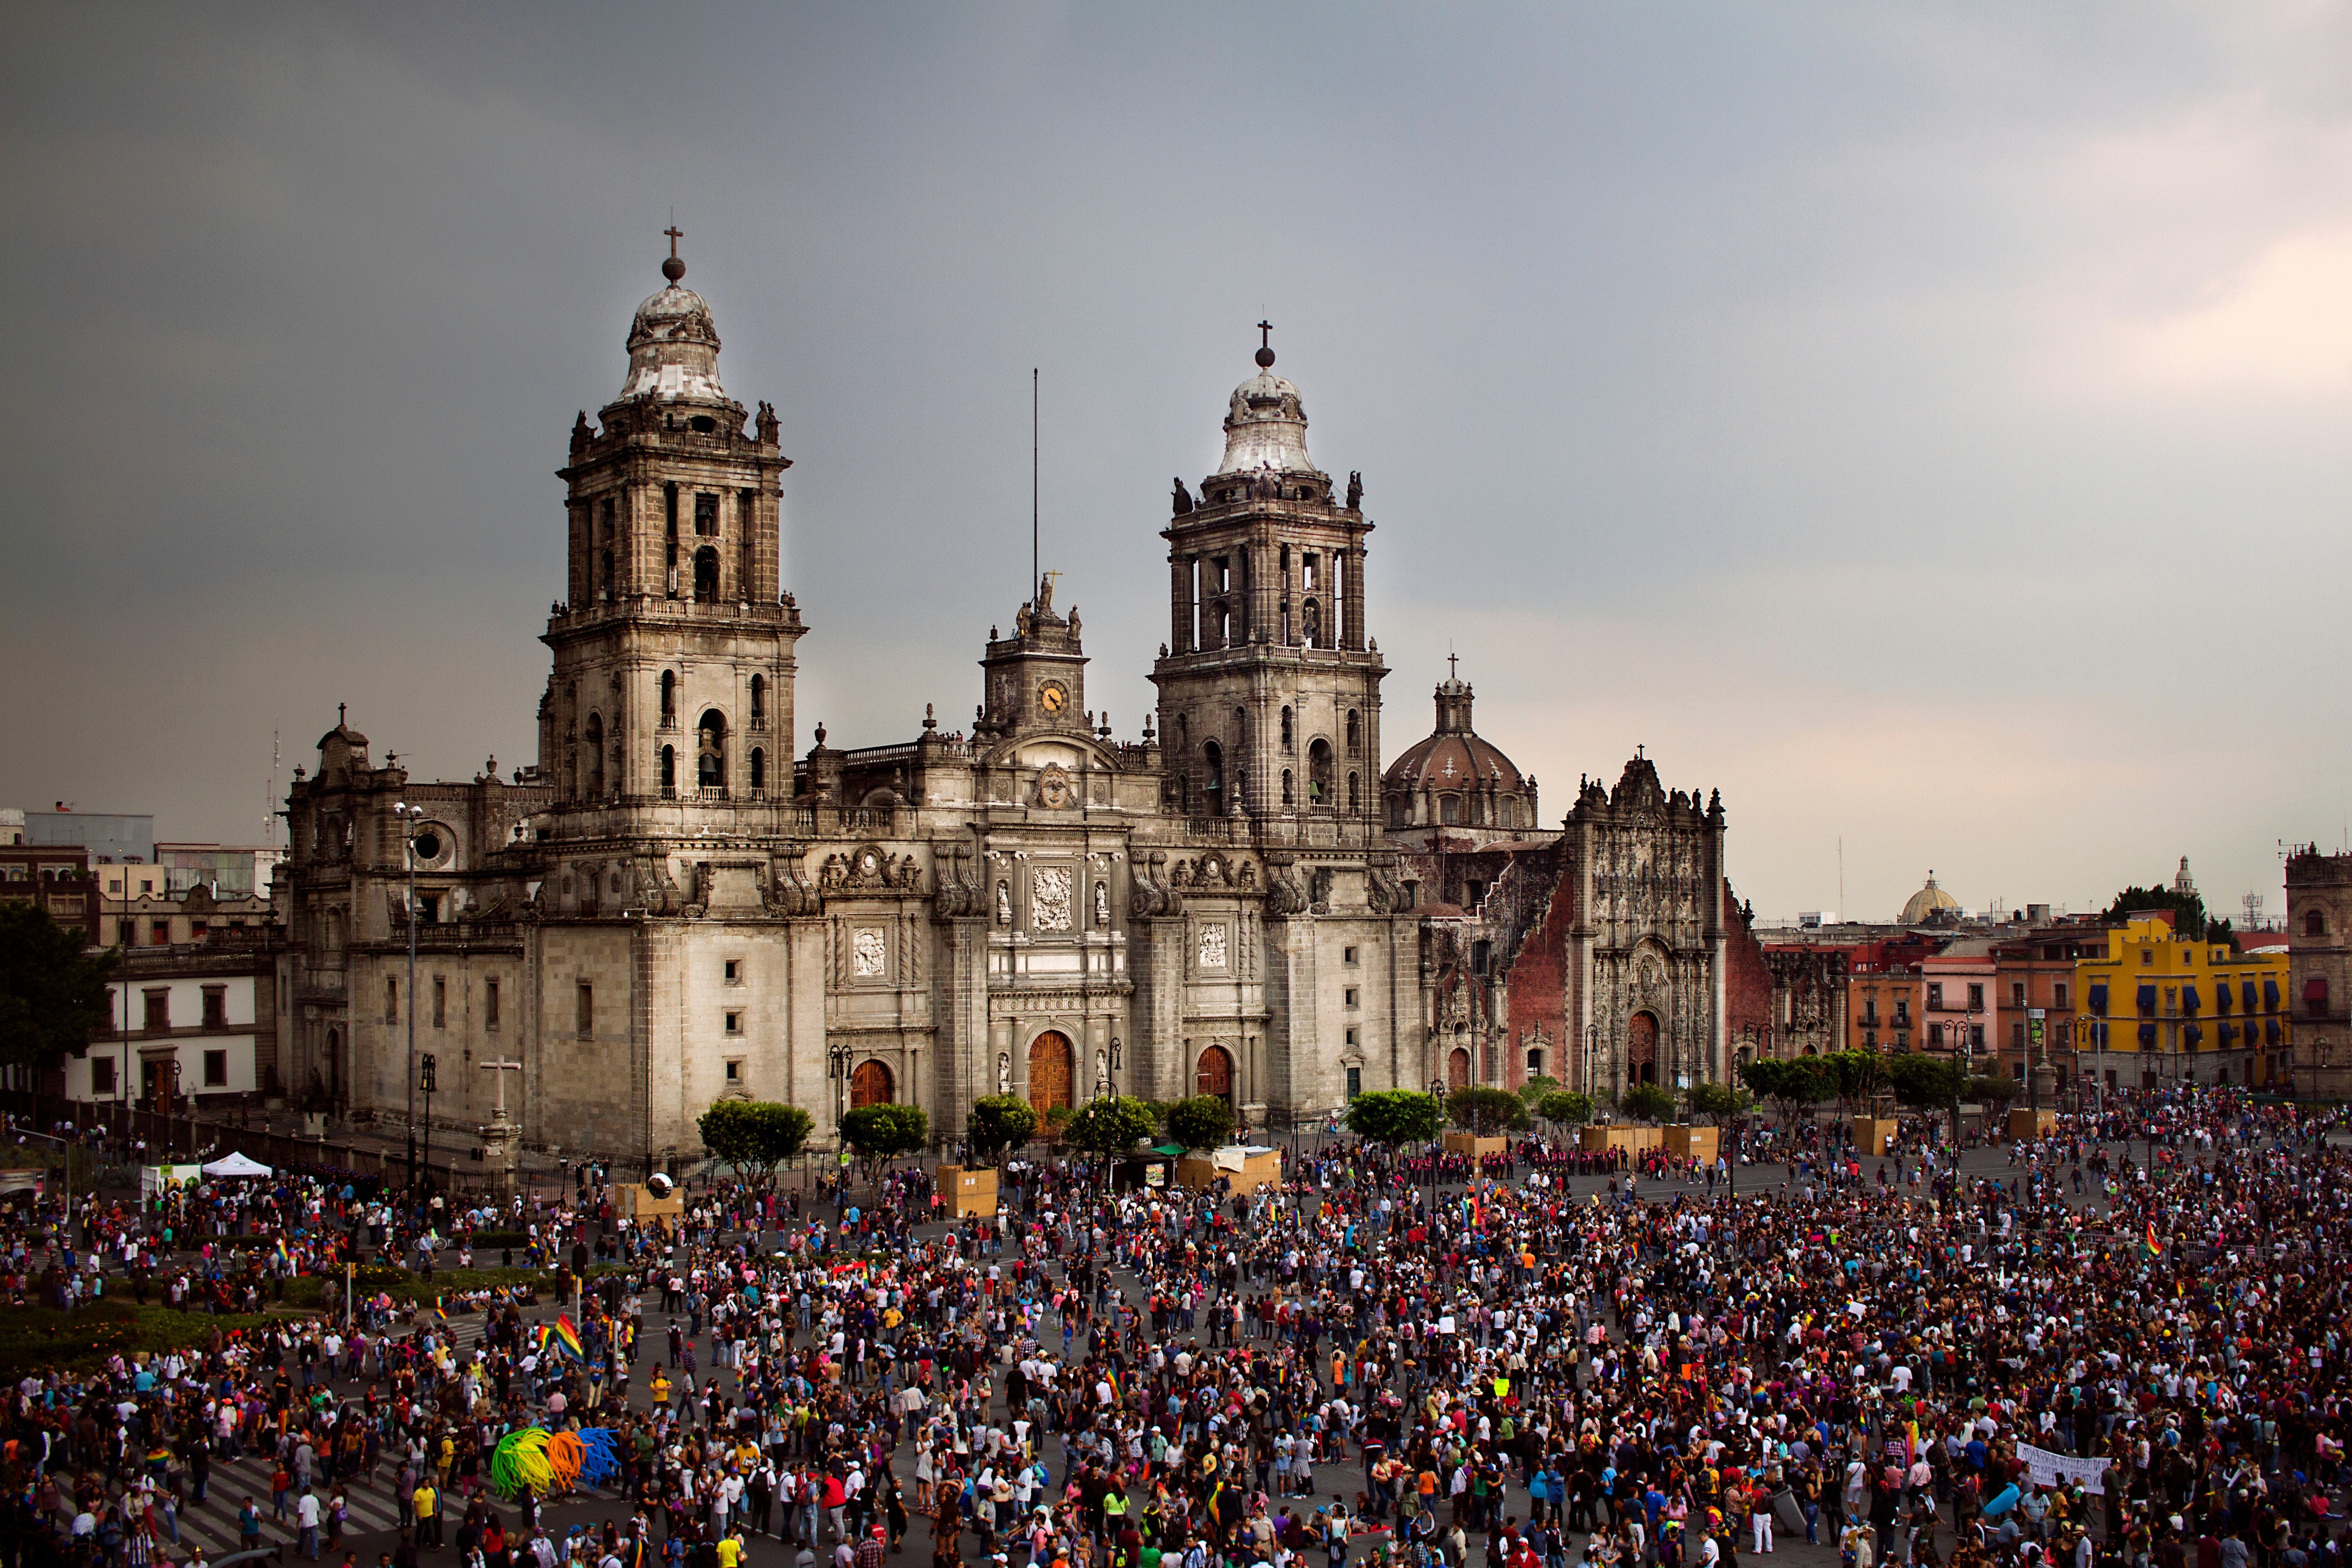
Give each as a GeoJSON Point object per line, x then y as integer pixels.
{"type": "Point", "coordinates": [1204, 1122]}
{"type": "Point", "coordinates": [1395, 1116]}
{"type": "Point", "coordinates": [1536, 1087]}
{"type": "Point", "coordinates": [755, 1136]}
{"type": "Point", "coordinates": [52, 991]}
{"type": "Point", "coordinates": [1486, 1111]}
{"type": "Point", "coordinates": [1720, 1099]}
{"type": "Point", "coordinates": [1565, 1108]}
{"type": "Point", "coordinates": [881, 1133]}
{"type": "Point", "coordinates": [2188, 909]}
{"type": "Point", "coordinates": [1923, 1082]}
{"type": "Point", "coordinates": [999, 1123]}
{"type": "Point", "coordinates": [1793, 1085]}
{"type": "Point", "coordinates": [1856, 1077]}
{"type": "Point", "coordinates": [1647, 1102]}
{"type": "Point", "coordinates": [1111, 1126]}
{"type": "Point", "coordinates": [1987, 1091]}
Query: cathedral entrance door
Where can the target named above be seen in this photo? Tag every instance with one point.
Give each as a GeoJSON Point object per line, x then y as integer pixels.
{"type": "Point", "coordinates": [871, 1084]}
{"type": "Point", "coordinates": [1457, 1069]}
{"type": "Point", "coordinates": [1215, 1075]}
{"type": "Point", "coordinates": [1641, 1048]}
{"type": "Point", "coordinates": [1049, 1071]}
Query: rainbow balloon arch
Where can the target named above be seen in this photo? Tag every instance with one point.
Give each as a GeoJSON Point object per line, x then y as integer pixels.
{"type": "Point", "coordinates": [548, 1463]}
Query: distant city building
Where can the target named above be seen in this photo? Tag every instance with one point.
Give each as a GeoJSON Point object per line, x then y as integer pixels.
{"type": "Point", "coordinates": [55, 878]}
{"type": "Point", "coordinates": [2160, 1006]}
{"type": "Point", "coordinates": [202, 1022]}
{"type": "Point", "coordinates": [2320, 968]}
{"type": "Point", "coordinates": [111, 838]}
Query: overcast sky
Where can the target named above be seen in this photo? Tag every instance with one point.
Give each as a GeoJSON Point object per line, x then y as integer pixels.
{"type": "Point", "coordinates": [1930, 425]}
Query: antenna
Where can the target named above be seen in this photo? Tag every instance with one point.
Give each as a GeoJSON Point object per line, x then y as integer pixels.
{"type": "Point", "coordinates": [1036, 576]}
{"type": "Point", "coordinates": [270, 802]}
{"type": "Point", "coordinates": [1841, 876]}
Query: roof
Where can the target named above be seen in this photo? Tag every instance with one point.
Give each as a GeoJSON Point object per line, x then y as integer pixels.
{"type": "Point", "coordinates": [1452, 760]}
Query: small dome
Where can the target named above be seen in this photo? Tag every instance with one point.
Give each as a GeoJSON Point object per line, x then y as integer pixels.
{"type": "Point", "coordinates": [674, 346]}
{"type": "Point", "coordinates": [1453, 756]}
{"type": "Point", "coordinates": [1929, 904]}
{"type": "Point", "coordinates": [1266, 428]}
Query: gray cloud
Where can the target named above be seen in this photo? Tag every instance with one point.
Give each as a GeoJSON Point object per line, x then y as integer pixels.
{"type": "Point", "coordinates": [1925, 424]}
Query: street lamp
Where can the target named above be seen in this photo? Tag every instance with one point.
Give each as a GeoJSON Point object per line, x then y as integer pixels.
{"type": "Point", "coordinates": [1591, 1050]}
{"type": "Point", "coordinates": [1437, 1093]}
{"type": "Point", "coordinates": [426, 1071]}
{"type": "Point", "coordinates": [408, 814]}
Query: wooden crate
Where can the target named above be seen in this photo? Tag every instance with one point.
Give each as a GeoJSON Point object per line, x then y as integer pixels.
{"type": "Point", "coordinates": [1871, 1134]}
{"type": "Point", "coordinates": [1609, 1137]}
{"type": "Point", "coordinates": [1688, 1142]}
{"type": "Point", "coordinates": [2026, 1123]}
{"type": "Point", "coordinates": [967, 1193]}
{"type": "Point", "coordinates": [1475, 1147]}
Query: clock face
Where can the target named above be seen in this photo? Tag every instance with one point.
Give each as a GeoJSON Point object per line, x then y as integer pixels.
{"type": "Point", "coordinates": [1052, 696]}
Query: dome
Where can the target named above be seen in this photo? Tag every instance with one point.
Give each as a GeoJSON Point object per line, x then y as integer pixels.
{"type": "Point", "coordinates": [1265, 426]}
{"type": "Point", "coordinates": [1929, 904]}
{"type": "Point", "coordinates": [674, 344]}
{"type": "Point", "coordinates": [1453, 757]}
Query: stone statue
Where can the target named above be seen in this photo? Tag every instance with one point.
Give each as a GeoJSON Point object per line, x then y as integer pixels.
{"type": "Point", "coordinates": [582, 434]}
{"type": "Point", "coordinates": [1183, 498]}
{"type": "Point", "coordinates": [1102, 905]}
{"type": "Point", "coordinates": [1003, 1073]}
{"type": "Point", "coordinates": [768, 425]}
{"type": "Point", "coordinates": [1003, 903]}
{"type": "Point", "coordinates": [1355, 490]}
{"type": "Point", "coordinates": [1046, 594]}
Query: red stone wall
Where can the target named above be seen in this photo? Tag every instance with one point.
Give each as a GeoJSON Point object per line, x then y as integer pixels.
{"type": "Point", "coordinates": [1747, 981]}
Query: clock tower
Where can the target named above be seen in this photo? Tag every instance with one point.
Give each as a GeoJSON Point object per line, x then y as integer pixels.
{"type": "Point", "coordinates": [1036, 678]}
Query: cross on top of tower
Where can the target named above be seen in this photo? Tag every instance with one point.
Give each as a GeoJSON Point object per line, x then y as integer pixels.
{"type": "Point", "coordinates": [1265, 345]}
{"type": "Point", "coordinates": [674, 268]}
{"type": "Point", "coordinates": [1451, 673]}
{"type": "Point", "coordinates": [676, 234]}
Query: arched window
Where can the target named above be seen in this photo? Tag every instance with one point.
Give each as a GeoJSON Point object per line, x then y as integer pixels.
{"type": "Point", "coordinates": [758, 771]}
{"type": "Point", "coordinates": [1314, 621]}
{"type": "Point", "coordinates": [759, 702]}
{"type": "Point", "coordinates": [1318, 774]}
{"type": "Point", "coordinates": [670, 769]}
{"type": "Point", "coordinates": [1355, 796]}
{"type": "Point", "coordinates": [1355, 734]}
{"type": "Point", "coordinates": [710, 749]}
{"type": "Point", "coordinates": [670, 699]}
{"type": "Point", "coordinates": [705, 576]}
{"type": "Point", "coordinates": [595, 738]}
{"type": "Point", "coordinates": [1212, 765]}
{"type": "Point", "coordinates": [1286, 729]}
{"type": "Point", "coordinates": [1286, 799]}
{"type": "Point", "coordinates": [2314, 925]}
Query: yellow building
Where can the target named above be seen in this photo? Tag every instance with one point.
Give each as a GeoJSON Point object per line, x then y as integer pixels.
{"type": "Point", "coordinates": [2157, 1007]}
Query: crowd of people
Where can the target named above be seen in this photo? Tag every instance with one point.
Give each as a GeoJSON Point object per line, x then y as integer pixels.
{"type": "Point", "coordinates": [2089, 1351]}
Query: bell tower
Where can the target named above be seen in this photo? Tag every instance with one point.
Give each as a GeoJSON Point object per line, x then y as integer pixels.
{"type": "Point", "coordinates": [1269, 685]}
{"type": "Point", "coordinates": [670, 702]}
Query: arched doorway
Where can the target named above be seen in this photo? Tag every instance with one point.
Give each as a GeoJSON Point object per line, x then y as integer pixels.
{"type": "Point", "coordinates": [1049, 1071]}
{"type": "Point", "coordinates": [1458, 1068]}
{"type": "Point", "coordinates": [1215, 1074]}
{"type": "Point", "coordinates": [1641, 1048]}
{"type": "Point", "coordinates": [871, 1084]}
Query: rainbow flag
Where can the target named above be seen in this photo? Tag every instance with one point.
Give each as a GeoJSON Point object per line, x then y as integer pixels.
{"type": "Point", "coordinates": [439, 1312]}
{"type": "Point", "coordinates": [2153, 1247]}
{"type": "Point", "coordinates": [567, 1338]}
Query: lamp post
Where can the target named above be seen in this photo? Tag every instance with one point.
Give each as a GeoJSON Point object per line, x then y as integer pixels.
{"type": "Point", "coordinates": [1436, 1144]}
{"type": "Point", "coordinates": [1591, 1050]}
{"type": "Point", "coordinates": [426, 1070]}
{"type": "Point", "coordinates": [408, 814]}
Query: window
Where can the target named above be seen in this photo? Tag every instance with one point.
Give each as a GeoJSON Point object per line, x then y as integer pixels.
{"type": "Point", "coordinates": [216, 1006]}
{"type": "Point", "coordinates": [159, 1010]}
{"type": "Point", "coordinates": [216, 1069]}
{"type": "Point", "coordinates": [734, 1022]}
{"type": "Point", "coordinates": [668, 699]}
{"type": "Point", "coordinates": [392, 1001]}
{"type": "Point", "coordinates": [440, 1003]}
{"type": "Point", "coordinates": [1286, 729]}
{"type": "Point", "coordinates": [670, 769]}
{"type": "Point", "coordinates": [1480, 952]}
{"type": "Point", "coordinates": [2147, 956]}
{"type": "Point", "coordinates": [2017, 993]}
{"type": "Point", "coordinates": [1354, 734]}
{"type": "Point", "coordinates": [2058, 995]}
{"type": "Point", "coordinates": [489, 1003]}
{"type": "Point", "coordinates": [1352, 996]}
{"type": "Point", "coordinates": [584, 1011]}
{"type": "Point", "coordinates": [1903, 1012]}
{"type": "Point", "coordinates": [1976, 997]}
{"type": "Point", "coordinates": [1935, 994]}
{"type": "Point", "coordinates": [159, 934]}
{"type": "Point", "coordinates": [1473, 894]}
{"type": "Point", "coordinates": [1936, 1037]}
{"type": "Point", "coordinates": [2017, 1036]}
{"type": "Point", "coordinates": [734, 1071]}
{"type": "Point", "coordinates": [2314, 925]}
{"type": "Point", "coordinates": [1355, 1082]}
{"type": "Point", "coordinates": [759, 702]}
{"type": "Point", "coordinates": [1449, 810]}
{"type": "Point", "coordinates": [734, 972]}
{"type": "Point", "coordinates": [706, 516]}
{"type": "Point", "coordinates": [1869, 1010]}
{"type": "Point", "coordinates": [1347, 956]}
{"type": "Point", "coordinates": [101, 1075]}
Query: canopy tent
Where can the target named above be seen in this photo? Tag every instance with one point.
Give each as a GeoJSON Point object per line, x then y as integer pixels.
{"type": "Point", "coordinates": [235, 1164]}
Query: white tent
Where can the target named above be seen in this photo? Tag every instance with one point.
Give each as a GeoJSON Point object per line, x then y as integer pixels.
{"type": "Point", "coordinates": [235, 1165]}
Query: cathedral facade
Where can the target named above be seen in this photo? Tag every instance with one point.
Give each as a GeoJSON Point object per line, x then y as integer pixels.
{"type": "Point", "coordinates": [676, 904]}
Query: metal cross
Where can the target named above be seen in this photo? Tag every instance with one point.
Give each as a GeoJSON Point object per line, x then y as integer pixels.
{"type": "Point", "coordinates": [1450, 673]}
{"type": "Point", "coordinates": [502, 1068]}
{"type": "Point", "coordinates": [1265, 334]}
{"type": "Point", "coordinates": [676, 234]}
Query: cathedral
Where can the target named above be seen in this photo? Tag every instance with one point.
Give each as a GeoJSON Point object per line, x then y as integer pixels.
{"type": "Point", "coordinates": [676, 903]}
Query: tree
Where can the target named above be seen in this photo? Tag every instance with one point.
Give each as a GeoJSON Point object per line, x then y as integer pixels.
{"type": "Point", "coordinates": [1111, 1126]}
{"type": "Point", "coordinates": [2188, 909]}
{"type": "Point", "coordinates": [1793, 1085]}
{"type": "Point", "coordinates": [1923, 1082]}
{"type": "Point", "coordinates": [1855, 1076]}
{"type": "Point", "coordinates": [1565, 1108]}
{"type": "Point", "coordinates": [1987, 1091]}
{"type": "Point", "coordinates": [1647, 1102]}
{"type": "Point", "coordinates": [999, 1123]}
{"type": "Point", "coordinates": [1395, 1116]}
{"type": "Point", "coordinates": [1536, 1087]}
{"type": "Point", "coordinates": [1204, 1122]}
{"type": "Point", "coordinates": [52, 993]}
{"type": "Point", "coordinates": [881, 1133]}
{"type": "Point", "coordinates": [1486, 1111]}
{"type": "Point", "coordinates": [1720, 1099]}
{"type": "Point", "coordinates": [755, 1136]}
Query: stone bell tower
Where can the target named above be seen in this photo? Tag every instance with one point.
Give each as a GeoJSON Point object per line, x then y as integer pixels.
{"type": "Point", "coordinates": [1269, 687]}
{"type": "Point", "coordinates": [670, 703]}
